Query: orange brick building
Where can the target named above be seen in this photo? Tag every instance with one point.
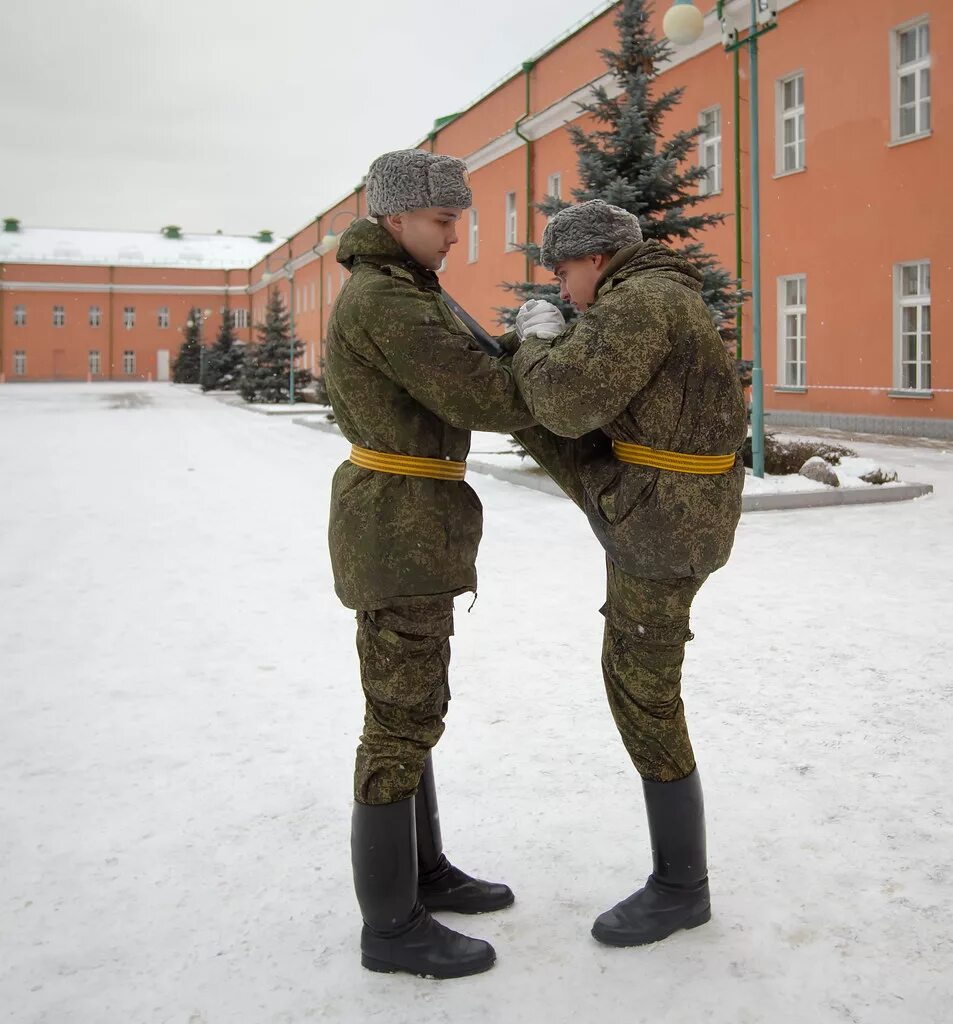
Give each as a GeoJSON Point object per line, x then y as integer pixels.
{"type": "Point", "coordinates": [857, 142]}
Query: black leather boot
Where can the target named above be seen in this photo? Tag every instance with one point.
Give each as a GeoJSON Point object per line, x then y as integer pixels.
{"type": "Point", "coordinates": [399, 934]}
{"type": "Point", "coordinates": [440, 885]}
{"type": "Point", "coordinates": [676, 894]}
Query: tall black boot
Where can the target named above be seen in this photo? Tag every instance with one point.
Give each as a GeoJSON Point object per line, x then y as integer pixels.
{"type": "Point", "coordinates": [442, 886]}
{"type": "Point", "coordinates": [676, 894]}
{"type": "Point", "coordinates": [399, 934]}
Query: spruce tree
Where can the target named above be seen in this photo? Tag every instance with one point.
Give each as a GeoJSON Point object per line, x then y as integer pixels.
{"type": "Point", "coordinates": [265, 373]}
{"type": "Point", "coordinates": [629, 161]}
{"type": "Point", "coordinates": [223, 361]}
{"type": "Point", "coordinates": [188, 363]}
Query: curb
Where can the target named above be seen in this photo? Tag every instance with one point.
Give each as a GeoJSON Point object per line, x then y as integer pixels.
{"type": "Point", "coordinates": [749, 503]}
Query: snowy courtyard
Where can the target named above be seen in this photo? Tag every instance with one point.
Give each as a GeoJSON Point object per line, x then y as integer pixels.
{"type": "Point", "coordinates": [180, 707]}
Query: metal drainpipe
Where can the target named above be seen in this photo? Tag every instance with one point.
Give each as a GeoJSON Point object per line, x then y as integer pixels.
{"type": "Point", "coordinates": [528, 66]}
{"type": "Point", "coordinates": [111, 308]}
{"type": "Point", "coordinates": [3, 321]}
{"type": "Point", "coordinates": [739, 268]}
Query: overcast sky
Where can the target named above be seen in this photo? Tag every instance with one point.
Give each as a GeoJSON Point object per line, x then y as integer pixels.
{"type": "Point", "coordinates": [230, 114]}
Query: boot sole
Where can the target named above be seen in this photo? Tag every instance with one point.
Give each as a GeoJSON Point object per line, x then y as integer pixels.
{"type": "Point", "coordinates": [448, 908]}
{"type": "Point", "coordinates": [385, 967]}
{"type": "Point", "coordinates": [622, 942]}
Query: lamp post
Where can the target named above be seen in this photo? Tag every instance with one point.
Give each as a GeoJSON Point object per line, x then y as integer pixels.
{"type": "Point", "coordinates": [289, 270]}
{"type": "Point", "coordinates": [197, 317]}
{"type": "Point", "coordinates": [683, 24]}
{"type": "Point", "coordinates": [331, 239]}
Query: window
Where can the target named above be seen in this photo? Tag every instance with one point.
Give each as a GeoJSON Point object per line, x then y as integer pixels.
{"type": "Point", "coordinates": [912, 286]}
{"type": "Point", "coordinates": [19, 363]}
{"type": "Point", "coordinates": [163, 316]}
{"type": "Point", "coordinates": [129, 317]}
{"type": "Point", "coordinates": [95, 316]}
{"type": "Point", "coordinates": [790, 125]}
{"type": "Point", "coordinates": [792, 339]}
{"type": "Point", "coordinates": [95, 363]}
{"type": "Point", "coordinates": [709, 145]}
{"type": "Point", "coordinates": [330, 297]}
{"type": "Point", "coordinates": [554, 186]}
{"type": "Point", "coordinates": [473, 235]}
{"type": "Point", "coordinates": [911, 81]}
{"type": "Point", "coordinates": [240, 317]}
{"type": "Point", "coordinates": [312, 296]}
{"type": "Point", "coordinates": [512, 221]}
{"type": "Point", "coordinates": [129, 362]}
{"type": "Point", "coordinates": [19, 316]}
{"type": "Point", "coordinates": [59, 316]}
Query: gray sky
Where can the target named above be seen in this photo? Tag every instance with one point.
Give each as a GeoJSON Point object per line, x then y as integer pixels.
{"type": "Point", "coordinates": [229, 114]}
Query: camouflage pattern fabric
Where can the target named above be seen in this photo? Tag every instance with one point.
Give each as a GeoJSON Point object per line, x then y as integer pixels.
{"type": "Point", "coordinates": [643, 647]}
{"type": "Point", "coordinates": [643, 364]}
{"type": "Point", "coordinates": [404, 651]}
{"type": "Point", "coordinates": [405, 376]}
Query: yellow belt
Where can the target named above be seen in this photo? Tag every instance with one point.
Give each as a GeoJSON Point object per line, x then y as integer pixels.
{"type": "Point", "coordinates": [408, 465]}
{"type": "Point", "coordinates": [705, 465]}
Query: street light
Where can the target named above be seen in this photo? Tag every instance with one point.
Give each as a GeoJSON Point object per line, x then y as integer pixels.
{"type": "Point", "coordinates": [683, 23]}
{"type": "Point", "coordinates": [331, 239]}
{"type": "Point", "coordinates": [686, 27]}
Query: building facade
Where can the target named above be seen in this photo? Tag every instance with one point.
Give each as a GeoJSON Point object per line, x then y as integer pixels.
{"type": "Point", "coordinates": [855, 126]}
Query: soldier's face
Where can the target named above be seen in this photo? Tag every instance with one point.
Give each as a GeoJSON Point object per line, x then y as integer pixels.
{"type": "Point", "coordinates": [578, 279]}
{"type": "Point", "coordinates": [427, 235]}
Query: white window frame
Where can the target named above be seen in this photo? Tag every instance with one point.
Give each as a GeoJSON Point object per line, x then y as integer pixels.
{"type": "Point", "coordinates": [95, 316]}
{"type": "Point", "coordinates": [922, 103]}
{"type": "Point", "coordinates": [312, 296]}
{"type": "Point", "coordinates": [511, 222]}
{"type": "Point", "coordinates": [129, 362]}
{"type": "Point", "coordinates": [473, 235]}
{"type": "Point", "coordinates": [784, 116]}
{"type": "Point", "coordinates": [329, 298]}
{"type": "Point", "coordinates": [709, 153]}
{"type": "Point", "coordinates": [94, 362]}
{"type": "Point", "coordinates": [922, 303]}
{"type": "Point", "coordinates": [19, 316]}
{"type": "Point", "coordinates": [129, 317]}
{"type": "Point", "coordinates": [162, 317]}
{"type": "Point", "coordinates": [19, 363]}
{"type": "Point", "coordinates": [59, 316]}
{"type": "Point", "coordinates": [239, 318]}
{"type": "Point", "coordinates": [792, 373]}
{"type": "Point", "coordinates": [554, 185]}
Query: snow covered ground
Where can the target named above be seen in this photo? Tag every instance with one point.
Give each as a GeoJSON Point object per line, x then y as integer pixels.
{"type": "Point", "coordinates": [180, 707]}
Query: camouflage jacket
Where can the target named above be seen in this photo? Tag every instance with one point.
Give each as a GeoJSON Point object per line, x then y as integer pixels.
{"type": "Point", "coordinates": [405, 376]}
{"type": "Point", "coordinates": [645, 364]}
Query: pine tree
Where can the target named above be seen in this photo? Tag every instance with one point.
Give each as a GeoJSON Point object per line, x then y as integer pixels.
{"type": "Point", "coordinates": [265, 374]}
{"type": "Point", "coordinates": [187, 367]}
{"type": "Point", "coordinates": [223, 361]}
{"type": "Point", "coordinates": [628, 161]}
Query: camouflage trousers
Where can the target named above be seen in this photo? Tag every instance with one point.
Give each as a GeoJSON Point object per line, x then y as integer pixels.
{"type": "Point", "coordinates": [404, 650]}
{"type": "Point", "coordinates": [646, 629]}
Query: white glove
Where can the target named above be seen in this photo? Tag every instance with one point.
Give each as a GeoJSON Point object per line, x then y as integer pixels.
{"type": "Point", "coordinates": [539, 318]}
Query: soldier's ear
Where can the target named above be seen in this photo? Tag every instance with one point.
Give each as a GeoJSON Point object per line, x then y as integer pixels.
{"type": "Point", "coordinates": [394, 222]}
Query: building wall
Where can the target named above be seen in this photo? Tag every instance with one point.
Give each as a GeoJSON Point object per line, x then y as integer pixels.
{"type": "Point", "coordinates": [861, 206]}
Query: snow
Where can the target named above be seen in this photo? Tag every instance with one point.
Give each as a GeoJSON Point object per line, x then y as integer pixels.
{"type": "Point", "coordinates": [80, 246]}
{"type": "Point", "coordinates": [181, 706]}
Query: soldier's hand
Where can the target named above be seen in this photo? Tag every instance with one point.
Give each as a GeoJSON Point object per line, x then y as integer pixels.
{"type": "Point", "coordinates": [539, 318]}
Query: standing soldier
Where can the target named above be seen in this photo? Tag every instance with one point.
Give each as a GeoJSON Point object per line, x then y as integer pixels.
{"type": "Point", "coordinates": [643, 417]}
{"type": "Point", "coordinates": [408, 383]}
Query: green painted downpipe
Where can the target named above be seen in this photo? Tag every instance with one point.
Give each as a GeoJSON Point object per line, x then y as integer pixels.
{"type": "Point", "coordinates": [739, 269]}
{"type": "Point", "coordinates": [528, 66]}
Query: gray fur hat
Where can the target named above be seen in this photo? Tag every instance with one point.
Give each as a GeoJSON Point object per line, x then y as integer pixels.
{"type": "Point", "coordinates": [410, 179]}
{"type": "Point", "coordinates": [587, 229]}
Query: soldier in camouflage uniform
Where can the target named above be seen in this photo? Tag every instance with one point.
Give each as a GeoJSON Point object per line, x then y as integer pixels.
{"type": "Point", "coordinates": [408, 383]}
{"type": "Point", "coordinates": [641, 420]}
